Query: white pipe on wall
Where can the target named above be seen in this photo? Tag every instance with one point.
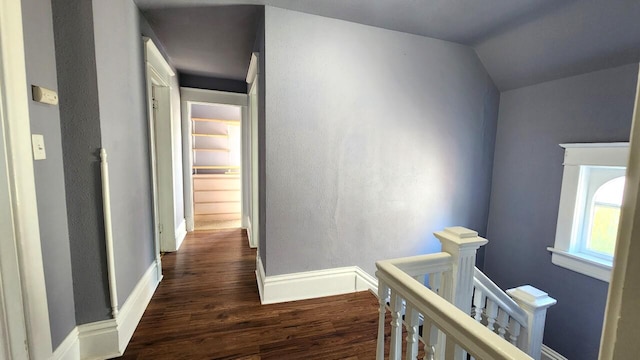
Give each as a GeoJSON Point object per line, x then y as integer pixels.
{"type": "Point", "coordinates": [106, 208]}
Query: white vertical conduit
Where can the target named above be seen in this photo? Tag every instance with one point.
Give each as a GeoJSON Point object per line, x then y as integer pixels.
{"type": "Point", "coordinates": [106, 208]}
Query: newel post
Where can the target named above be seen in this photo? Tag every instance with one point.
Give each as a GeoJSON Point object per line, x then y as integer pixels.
{"type": "Point", "coordinates": [535, 303]}
{"type": "Point", "coordinates": [462, 244]}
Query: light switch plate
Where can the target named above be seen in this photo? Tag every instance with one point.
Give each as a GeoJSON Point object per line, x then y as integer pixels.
{"type": "Point", "coordinates": [37, 141]}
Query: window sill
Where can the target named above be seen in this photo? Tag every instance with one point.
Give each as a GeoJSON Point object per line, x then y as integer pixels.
{"type": "Point", "coordinates": [584, 264]}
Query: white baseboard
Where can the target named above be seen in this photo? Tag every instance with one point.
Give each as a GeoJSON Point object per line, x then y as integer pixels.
{"type": "Point", "coordinates": [99, 340]}
{"type": "Point", "coordinates": [312, 284]}
{"type": "Point", "coordinates": [109, 338]}
{"type": "Point", "coordinates": [550, 354]}
{"type": "Point", "coordinates": [191, 224]}
{"type": "Point", "coordinates": [181, 233]}
{"type": "Point", "coordinates": [260, 276]}
{"type": "Point", "coordinates": [69, 349]}
{"type": "Point", "coordinates": [252, 243]}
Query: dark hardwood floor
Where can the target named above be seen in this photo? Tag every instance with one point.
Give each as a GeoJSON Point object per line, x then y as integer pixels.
{"type": "Point", "coordinates": [208, 307]}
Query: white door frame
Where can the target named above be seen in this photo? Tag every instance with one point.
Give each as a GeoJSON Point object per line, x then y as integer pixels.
{"type": "Point", "coordinates": [158, 80]}
{"type": "Point", "coordinates": [24, 296]}
{"type": "Point", "coordinates": [620, 331]}
{"type": "Point", "coordinates": [188, 97]}
{"type": "Point", "coordinates": [252, 217]}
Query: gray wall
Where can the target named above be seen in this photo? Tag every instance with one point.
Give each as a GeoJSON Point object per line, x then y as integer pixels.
{"type": "Point", "coordinates": [374, 140]}
{"type": "Point", "coordinates": [80, 124]}
{"type": "Point", "coordinates": [527, 175]}
{"type": "Point", "coordinates": [124, 128]}
{"type": "Point", "coordinates": [100, 70]}
{"type": "Point", "coordinates": [49, 174]}
{"type": "Point", "coordinates": [260, 48]}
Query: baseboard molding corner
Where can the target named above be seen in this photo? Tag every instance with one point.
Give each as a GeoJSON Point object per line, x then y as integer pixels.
{"type": "Point", "coordinates": [109, 338]}
{"type": "Point", "coordinates": [181, 233]}
{"type": "Point", "coordinates": [99, 340]}
{"type": "Point", "coordinates": [365, 281]}
{"type": "Point", "coordinates": [312, 284]}
{"type": "Point", "coordinates": [550, 354]}
{"type": "Point", "coordinates": [260, 276]}
{"type": "Point", "coordinates": [69, 349]}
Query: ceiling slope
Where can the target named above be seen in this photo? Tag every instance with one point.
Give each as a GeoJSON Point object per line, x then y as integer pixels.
{"type": "Point", "coordinates": [520, 42]}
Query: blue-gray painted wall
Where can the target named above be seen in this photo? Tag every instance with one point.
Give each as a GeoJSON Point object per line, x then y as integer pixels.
{"type": "Point", "coordinates": [527, 175]}
{"type": "Point", "coordinates": [260, 48]}
{"type": "Point", "coordinates": [81, 142]}
{"type": "Point", "coordinates": [49, 175]}
{"type": "Point", "coordinates": [374, 140]}
{"type": "Point", "coordinates": [124, 128]}
{"type": "Point", "coordinates": [99, 52]}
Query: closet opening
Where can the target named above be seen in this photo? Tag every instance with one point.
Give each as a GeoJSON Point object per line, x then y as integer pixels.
{"type": "Point", "coordinates": [216, 153]}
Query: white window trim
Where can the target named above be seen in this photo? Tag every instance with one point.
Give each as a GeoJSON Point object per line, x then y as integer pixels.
{"type": "Point", "coordinates": [575, 155]}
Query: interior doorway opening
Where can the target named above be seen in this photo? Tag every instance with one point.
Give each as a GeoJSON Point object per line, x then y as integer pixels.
{"type": "Point", "coordinates": [216, 148]}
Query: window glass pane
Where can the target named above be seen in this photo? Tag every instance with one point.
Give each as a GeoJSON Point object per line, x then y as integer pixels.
{"type": "Point", "coordinates": [605, 214]}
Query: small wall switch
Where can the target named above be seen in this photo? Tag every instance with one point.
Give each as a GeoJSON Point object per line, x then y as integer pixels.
{"type": "Point", "coordinates": [44, 95]}
{"type": "Point", "coordinates": [37, 141]}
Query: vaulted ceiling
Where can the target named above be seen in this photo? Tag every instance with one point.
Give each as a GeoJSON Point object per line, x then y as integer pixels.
{"type": "Point", "coordinates": [520, 42]}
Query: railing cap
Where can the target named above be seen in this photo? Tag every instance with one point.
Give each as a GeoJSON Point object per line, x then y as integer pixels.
{"type": "Point", "coordinates": [460, 236]}
{"type": "Point", "coordinates": [528, 295]}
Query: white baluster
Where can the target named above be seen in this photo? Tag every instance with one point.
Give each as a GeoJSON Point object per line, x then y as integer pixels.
{"type": "Point", "coordinates": [478, 304]}
{"type": "Point", "coordinates": [492, 314]}
{"type": "Point", "coordinates": [514, 331]}
{"type": "Point", "coordinates": [435, 280]}
{"type": "Point", "coordinates": [412, 321]}
{"type": "Point", "coordinates": [451, 350]}
{"type": "Point", "coordinates": [503, 321]}
{"type": "Point", "coordinates": [383, 294]}
{"type": "Point", "coordinates": [430, 339]}
{"type": "Point", "coordinates": [395, 349]}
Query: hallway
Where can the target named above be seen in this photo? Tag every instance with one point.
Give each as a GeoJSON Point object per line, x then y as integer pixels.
{"type": "Point", "coordinates": [208, 307]}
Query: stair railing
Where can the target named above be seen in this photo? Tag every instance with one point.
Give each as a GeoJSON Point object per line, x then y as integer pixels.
{"type": "Point", "coordinates": [433, 296]}
{"type": "Point", "coordinates": [517, 315]}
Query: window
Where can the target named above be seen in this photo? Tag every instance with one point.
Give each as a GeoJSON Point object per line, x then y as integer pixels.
{"type": "Point", "coordinates": [590, 201]}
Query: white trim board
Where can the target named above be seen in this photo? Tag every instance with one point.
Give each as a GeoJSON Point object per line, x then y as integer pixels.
{"type": "Point", "coordinates": [213, 96]}
{"type": "Point", "coordinates": [252, 243]}
{"type": "Point", "coordinates": [109, 338]}
{"type": "Point", "coordinates": [23, 281]}
{"type": "Point", "coordinates": [181, 233]}
{"type": "Point", "coordinates": [312, 284]}
{"type": "Point", "coordinates": [550, 354]}
{"type": "Point", "coordinates": [188, 97]}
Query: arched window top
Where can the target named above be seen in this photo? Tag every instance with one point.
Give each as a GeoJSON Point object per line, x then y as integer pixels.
{"type": "Point", "coordinates": [610, 193]}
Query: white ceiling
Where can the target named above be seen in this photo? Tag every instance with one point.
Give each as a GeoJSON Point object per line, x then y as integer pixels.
{"type": "Point", "coordinates": [520, 42]}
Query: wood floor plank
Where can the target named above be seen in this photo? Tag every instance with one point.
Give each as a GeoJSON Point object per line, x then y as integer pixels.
{"type": "Point", "coordinates": [208, 307]}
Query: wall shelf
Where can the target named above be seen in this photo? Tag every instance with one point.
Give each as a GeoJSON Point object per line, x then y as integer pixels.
{"type": "Point", "coordinates": [212, 150]}
{"type": "Point", "coordinates": [228, 122]}
{"type": "Point", "coordinates": [212, 135]}
{"type": "Point", "coordinates": [216, 167]}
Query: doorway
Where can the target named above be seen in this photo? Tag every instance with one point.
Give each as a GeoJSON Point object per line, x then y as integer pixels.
{"type": "Point", "coordinates": [216, 152]}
